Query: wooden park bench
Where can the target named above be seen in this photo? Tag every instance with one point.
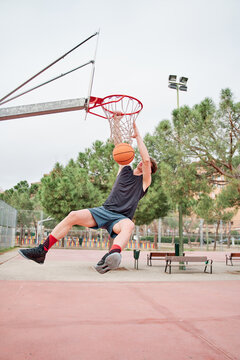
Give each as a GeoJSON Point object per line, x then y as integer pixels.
{"type": "Point", "coordinates": [231, 257]}
{"type": "Point", "coordinates": [194, 260]}
{"type": "Point", "coordinates": [157, 255]}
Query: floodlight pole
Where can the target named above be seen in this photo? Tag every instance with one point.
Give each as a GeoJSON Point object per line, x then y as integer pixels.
{"type": "Point", "coordinates": [178, 96]}
{"type": "Point", "coordinates": [180, 214]}
{"type": "Point", "coordinates": [177, 85]}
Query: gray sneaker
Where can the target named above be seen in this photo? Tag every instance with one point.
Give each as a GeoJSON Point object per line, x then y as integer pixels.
{"type": "Point", "coordinates": [108, 262]}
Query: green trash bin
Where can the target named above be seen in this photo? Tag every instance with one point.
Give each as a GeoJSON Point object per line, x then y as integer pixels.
{"type": "Point", "coordinates": [176, 249]}
{"type": "Point", "coordinates": [136, 254]}
{"type": "Point", "coordinates": [181, 264]}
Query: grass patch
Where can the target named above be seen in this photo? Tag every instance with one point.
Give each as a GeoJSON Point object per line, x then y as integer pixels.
{"type": "Point", "coordinates": [4, 250]}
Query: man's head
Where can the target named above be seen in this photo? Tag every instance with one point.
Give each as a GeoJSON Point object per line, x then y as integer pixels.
{"type": "Point", "coordinates": [153, 166]}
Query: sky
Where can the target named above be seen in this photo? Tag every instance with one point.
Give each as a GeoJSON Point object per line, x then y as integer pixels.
{"type": "Point", "coordinates": [140, 44]}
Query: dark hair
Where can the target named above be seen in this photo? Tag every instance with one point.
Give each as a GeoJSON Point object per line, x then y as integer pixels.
{"type": "Point", "coordinates": [153, 165]}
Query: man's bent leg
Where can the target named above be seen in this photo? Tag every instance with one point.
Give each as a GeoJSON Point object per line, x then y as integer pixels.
{"type": "Point", "coordinates": [80, 217]}
{"type": "Point", "coordinates": [112, 259]}
{"type": "Point", "coordinates": [124, 229]}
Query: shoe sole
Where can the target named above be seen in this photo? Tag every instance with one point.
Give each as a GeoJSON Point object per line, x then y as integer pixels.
{"type": "Point", "coordinates": [25, 257]}
{"type": "Point", "coordinates": [112, 262]}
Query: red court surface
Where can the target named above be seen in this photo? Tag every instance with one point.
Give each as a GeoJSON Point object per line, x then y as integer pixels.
{"type": "Point", "coordinates": [119, 320]}
{"type": "Point", "coordinates": [65, 310]}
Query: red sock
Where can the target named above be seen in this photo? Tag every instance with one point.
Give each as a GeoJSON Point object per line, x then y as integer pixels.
{"type": "Point", "coordinates": [50, 241]}
{"type": "Point", "coordinates": [115, 248]}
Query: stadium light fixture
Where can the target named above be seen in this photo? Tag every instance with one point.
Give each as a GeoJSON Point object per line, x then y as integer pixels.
{"type": "Point", "coordinates": [183, 80]}
{"type": "Point", "coordinates": [174, 84]}
{"type": "Point", "coordinates": [172, 78]}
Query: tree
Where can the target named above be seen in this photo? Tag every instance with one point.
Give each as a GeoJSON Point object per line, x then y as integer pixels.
{"type": "Point", "coordinates": [172, 223]}
{"type": "Point", "coordinates": [67, 189]}
{"type": "Point", "coordinates": [190, 224]}
{"type": "Point", "coordinates": [211, 137]}
{"type": "Point", "coordinates": [214, 210]}
{"type": "Point", "coordinates": [100, 166]}
{"type": "Point", "coordinates": [20, 198]}
{"type": "Point", "coordinates": [83, 183]}
{"type": "Point", "coordinates": [202, 143]}
{"type": "Point", "coordinates": [180, 179]}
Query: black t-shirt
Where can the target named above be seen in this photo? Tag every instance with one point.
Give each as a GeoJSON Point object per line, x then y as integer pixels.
{"type": "Point", "coordinates": [126, 193]}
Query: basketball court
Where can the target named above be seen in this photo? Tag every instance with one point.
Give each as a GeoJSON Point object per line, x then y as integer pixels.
{"type": "Point", "coordinates": [64, 309]}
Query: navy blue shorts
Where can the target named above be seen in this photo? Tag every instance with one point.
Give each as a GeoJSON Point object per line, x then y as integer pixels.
{"type": "Point", "coordinates": [106, 219]}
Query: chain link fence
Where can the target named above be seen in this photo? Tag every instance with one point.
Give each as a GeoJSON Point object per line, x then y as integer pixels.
{"type": "Point", "coordinates": [195, 231]}
{"type": "Point", "coordinates": [8, 221]}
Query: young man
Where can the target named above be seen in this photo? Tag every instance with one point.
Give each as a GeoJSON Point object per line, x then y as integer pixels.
{"type": "Point", "coordinates": [115, 215]}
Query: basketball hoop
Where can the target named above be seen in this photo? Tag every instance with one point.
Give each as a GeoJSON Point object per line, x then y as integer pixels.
{"type": "Point", "coordinates": [121, 111]}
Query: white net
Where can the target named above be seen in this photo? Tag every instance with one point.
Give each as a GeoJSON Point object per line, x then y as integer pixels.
{"type": "Point", "coordinates": [121, 111]}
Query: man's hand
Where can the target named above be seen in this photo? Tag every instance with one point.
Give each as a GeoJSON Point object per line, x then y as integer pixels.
{"type": "Point", "coordinates": [116, 133]}
{"type": "Point", "coordinates": [117, 116]}
{"type": "Point", "coordinates": [135, 131]}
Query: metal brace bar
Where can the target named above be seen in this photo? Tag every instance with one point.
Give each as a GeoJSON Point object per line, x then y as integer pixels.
{"type": "Point", "coordinates": [22, 111]}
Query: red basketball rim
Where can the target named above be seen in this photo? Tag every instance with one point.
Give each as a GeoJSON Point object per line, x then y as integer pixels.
{"type": "Point", "coordinates": [119, 98]}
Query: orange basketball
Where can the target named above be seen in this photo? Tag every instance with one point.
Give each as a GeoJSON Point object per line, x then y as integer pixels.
{"type": "Point", "coordinates": [123, 154]}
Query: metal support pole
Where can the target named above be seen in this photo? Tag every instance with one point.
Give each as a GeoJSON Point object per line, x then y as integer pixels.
{"type": "Point", "coordinates": [180, 230]}
{"type": "Point", "coordinates": [178, 96]}
{"type": "Point", "coordinates": [137, 233]}
{"type": "Point", "coordinates": [221, 231]}
{"type": "Point", "coordinates": [40, 223]}
{"type": "Point", "coordinates": [159, 232]}
{"type": "Point", "coordinates": [207, 238]}
{"type": "Point", "coordinates": [201, 232]}
{"type": "Point", "coordinates": [101, 238]}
